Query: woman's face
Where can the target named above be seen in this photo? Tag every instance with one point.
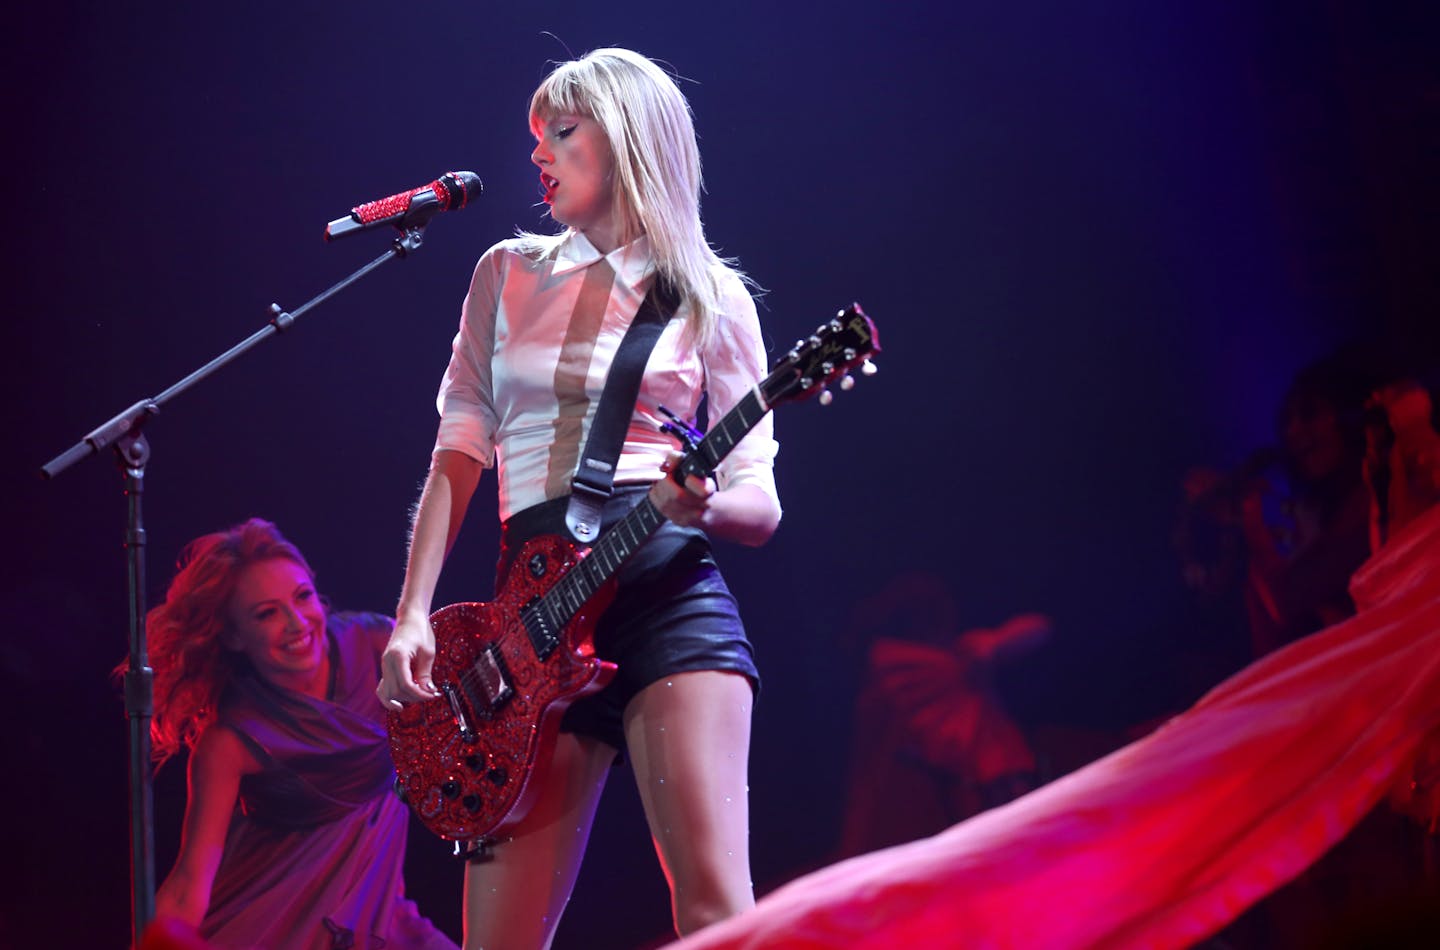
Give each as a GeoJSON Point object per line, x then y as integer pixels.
{"type": "Point", "coordinates": [577, 173]}
{"type": "Point", "coordinates": [1312, 438]}
{"type": "Point", "coordinates": [276, 619]}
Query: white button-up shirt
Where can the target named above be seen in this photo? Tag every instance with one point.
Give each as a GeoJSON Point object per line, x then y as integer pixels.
{"type": "Point", "coordinates": [536, 340]}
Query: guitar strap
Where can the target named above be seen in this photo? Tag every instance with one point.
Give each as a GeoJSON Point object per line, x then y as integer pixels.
{"type": "Point", "coordinates": [595, 475]}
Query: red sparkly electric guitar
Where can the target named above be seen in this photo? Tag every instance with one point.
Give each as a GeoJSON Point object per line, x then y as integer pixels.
{"type": "Point", "coordinates": [507, 670]}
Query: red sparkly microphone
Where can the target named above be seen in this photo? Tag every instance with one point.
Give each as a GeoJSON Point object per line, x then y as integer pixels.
{"type": "Point", "coordinates": [409, 209]}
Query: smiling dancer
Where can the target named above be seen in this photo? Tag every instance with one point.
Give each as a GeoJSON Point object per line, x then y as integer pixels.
{"type": "Point", "coordinates": [620, 169]}
{"type": "Point", "coordinates": [293, 836]}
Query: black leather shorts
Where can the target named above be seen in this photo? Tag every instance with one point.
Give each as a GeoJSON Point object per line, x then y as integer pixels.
{"type": "Point", "coordinates": [672, 612]}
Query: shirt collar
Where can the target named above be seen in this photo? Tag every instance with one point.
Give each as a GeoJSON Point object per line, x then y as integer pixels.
{"type": "Point", "coordinates": [631, 262]}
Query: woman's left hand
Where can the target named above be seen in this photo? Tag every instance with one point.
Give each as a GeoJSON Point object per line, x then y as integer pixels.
{"type": "Point", "coordinates": [685, 505]}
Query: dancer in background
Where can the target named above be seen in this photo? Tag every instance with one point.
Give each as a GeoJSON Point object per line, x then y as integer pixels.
{"type": "Point", "coordinates": [933, 741]}
{"type": "Point", "coordinates": [293, 836]}
{"type": "Point", "coordinates": [1299, 570]}
{"type": "Point", "coordinates": [620, 169]}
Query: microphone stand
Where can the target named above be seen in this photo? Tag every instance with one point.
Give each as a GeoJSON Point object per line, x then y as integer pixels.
{"type": "Point", "coordinates": [126, 433]}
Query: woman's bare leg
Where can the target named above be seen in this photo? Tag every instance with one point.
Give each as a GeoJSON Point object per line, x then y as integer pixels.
{"type": "Point", "coordinates": [689, 744]}
{"type": "Point", "coordinates": [513, 900]}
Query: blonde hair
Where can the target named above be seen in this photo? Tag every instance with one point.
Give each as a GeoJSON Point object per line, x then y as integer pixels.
{"type": "Point", "coordinates": [657, 167]}
{"type": "Point", "coordinates": [192, 666]}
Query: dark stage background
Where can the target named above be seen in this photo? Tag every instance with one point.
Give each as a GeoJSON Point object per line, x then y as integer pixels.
{"type": "Point", "coordinates": [1098, 240]}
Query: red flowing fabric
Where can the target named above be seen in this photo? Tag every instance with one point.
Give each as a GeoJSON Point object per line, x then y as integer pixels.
{"type": "Point", "coordinates": [1167, 840]}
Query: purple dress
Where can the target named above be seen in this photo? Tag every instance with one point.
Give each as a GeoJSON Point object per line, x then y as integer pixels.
{"type": "Point", "coordinates": [314, 851]}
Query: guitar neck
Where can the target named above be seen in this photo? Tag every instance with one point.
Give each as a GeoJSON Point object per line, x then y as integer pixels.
{"type": "Point", "coordinates": [615, 546]}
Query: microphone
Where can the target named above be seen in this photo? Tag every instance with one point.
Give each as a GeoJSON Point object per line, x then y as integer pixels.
{"type": "Point", "coordinates": [409, 209]}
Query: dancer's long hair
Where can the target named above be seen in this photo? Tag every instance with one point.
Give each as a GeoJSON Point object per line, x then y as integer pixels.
{"type": "Point", "coordinates": [185, 632]}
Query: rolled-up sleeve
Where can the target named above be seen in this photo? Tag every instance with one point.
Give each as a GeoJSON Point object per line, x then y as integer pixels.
{"type": "Point", "coordinates": [466, 400]}
{"type": "Point", "coordinates": [734, 363]}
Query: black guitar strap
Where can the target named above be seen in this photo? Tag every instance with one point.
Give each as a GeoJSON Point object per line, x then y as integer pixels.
{"type": "Point", "coordinates": [595, 475]}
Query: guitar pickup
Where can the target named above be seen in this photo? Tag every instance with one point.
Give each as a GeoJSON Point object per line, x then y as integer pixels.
{"type": "Point", "coordinates": [541, 629]}
{"type": "Point", "coordinates": [487, 683]}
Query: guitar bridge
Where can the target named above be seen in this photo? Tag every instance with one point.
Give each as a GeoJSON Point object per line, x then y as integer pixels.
{"type": "Point", "coordinates": [484, 688]}
{"type": "Point", "coordinates": [467, 733]}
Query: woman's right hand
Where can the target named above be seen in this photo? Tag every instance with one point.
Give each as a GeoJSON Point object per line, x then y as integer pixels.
{"type": "Point", "coordinates": [405, 664]}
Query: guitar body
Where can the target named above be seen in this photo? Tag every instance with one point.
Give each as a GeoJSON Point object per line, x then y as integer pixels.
{"type": "Point", "coordinates": [507, 670]}
{"type": "Point", "coordinates": [466, 760]}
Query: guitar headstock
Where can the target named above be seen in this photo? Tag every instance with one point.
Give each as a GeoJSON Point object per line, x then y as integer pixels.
{"type": "Point", "coordinates": [830, 353]}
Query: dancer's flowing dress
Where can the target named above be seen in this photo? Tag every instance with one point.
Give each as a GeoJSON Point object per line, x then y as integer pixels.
{"type": "Point", "coordinates": [1168, 839]}
{"type": "Point", "coordinates": [313, 855]}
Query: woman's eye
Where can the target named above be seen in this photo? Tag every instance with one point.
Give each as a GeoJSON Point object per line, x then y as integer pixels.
{"type": "Point", "coordinates": [305, 594]}
{"type": "Point", "coordinates": [565, 132]}
{"type": "Point", "coordinates": [265, 614]}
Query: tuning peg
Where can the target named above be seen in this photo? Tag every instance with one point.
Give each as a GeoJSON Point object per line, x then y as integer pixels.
{"type": "Point", "coordinates": [868, 368]}
{"type": "Point", "coordinates": [826, 397]}
{"type": "Point", "coordinates": [847, 382]}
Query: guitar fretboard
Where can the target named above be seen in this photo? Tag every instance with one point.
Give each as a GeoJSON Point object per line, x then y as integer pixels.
{"type": "Point", "coordinates": [564, 600]}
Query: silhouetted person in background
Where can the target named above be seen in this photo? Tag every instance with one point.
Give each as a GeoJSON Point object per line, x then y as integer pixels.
{"type": "Point", "coordinates": [933, 743]}
{"type": "Point", "coordinates": [1402, 457]}
{"type": "Point", "coordinates": [1384, 860]}
{"type": "Point", "coordinates": [1267, 549]}
{"type": "Point", "coordinates": [1299, 566]}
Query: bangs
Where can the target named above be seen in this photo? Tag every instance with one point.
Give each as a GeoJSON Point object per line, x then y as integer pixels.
{"type": "Point", "coordinates": [564, 92]}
